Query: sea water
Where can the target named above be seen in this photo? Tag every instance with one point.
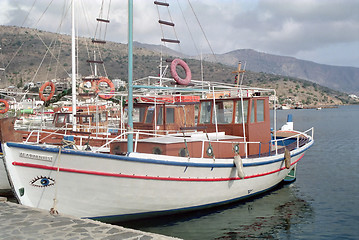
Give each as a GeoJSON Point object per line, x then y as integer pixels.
{"type": "Point", "coordinates": [323, 203]}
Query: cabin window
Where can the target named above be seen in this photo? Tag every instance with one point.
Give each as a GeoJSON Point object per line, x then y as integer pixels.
{"type": "Point", "coordinates": [139, 114]}
{"type": "Point", "coordinates": [241, 114]}
{"type": "Point", "coordinates": [260, 110]}
{"type": "Point", "coordinates": [160, 116]}
{"type": "Point", "coordinates": [205, 112]}
{"type": "Point", "coordinates": [97, 118]}
{"type": "Point", "coordinates": [252, 112]}
{"type": "Point", "coordinates": [150, 113]}
{"type": "Point", "coordinates": [224, 112]}
{"type": "Point", "coordinates": [61, 119]}
{"type": "Point", "coordinates": [65, 118]}
{"type": "Point", "coordinates": [101, 117]}
{"type": "Point", "coordinates": [170, 115]}
{"type": "Point", "coordinates": [86, 119]}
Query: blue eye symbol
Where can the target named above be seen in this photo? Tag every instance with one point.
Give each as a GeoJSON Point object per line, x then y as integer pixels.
{"type": "Point", "coordinates": [42, 182]}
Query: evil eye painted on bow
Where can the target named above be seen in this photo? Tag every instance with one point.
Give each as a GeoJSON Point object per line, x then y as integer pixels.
{"type": "Point", "coordinates": [42, 181]}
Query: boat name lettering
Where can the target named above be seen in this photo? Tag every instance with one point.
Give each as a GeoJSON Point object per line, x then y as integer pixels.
{"type": "Point", "coordinates": [36, 156]}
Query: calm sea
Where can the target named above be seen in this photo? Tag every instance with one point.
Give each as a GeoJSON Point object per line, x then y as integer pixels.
{"type": "Point", "coordinates": [323, 203]}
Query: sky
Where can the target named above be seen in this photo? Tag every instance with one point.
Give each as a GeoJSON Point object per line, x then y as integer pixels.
{"type": "Point", "coordinates": [322, 31]}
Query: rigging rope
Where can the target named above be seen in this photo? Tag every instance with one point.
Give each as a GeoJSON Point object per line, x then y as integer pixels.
{"type": "Point", "coordinates": [190, 33]}
{"type": "Point", "coordinates": [194, 13]}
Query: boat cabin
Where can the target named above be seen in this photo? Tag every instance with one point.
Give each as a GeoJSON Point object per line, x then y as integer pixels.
{"type": "Point", "coordinates": [86, 121]}
{"type": "Point", "coordinates": [218, 120]}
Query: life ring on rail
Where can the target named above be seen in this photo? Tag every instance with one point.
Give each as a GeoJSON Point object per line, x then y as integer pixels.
{"type": "Point", "coordinates": [110, 84]}
{"type": "Point", "coordinates": [174, 73]}
{"type": "Point", "coordinates": [6, 108]}
{"type": "Point", "coordinates": [42, 89]}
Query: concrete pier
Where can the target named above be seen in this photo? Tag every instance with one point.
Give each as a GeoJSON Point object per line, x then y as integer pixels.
{"type": "Point", "coordinates": [19, 222]}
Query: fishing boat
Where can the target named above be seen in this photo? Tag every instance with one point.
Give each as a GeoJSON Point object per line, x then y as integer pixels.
{"type": "Point", "coordinates": [171, 158]}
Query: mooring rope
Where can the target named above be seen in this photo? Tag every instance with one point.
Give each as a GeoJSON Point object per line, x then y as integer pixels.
{"type": "Point", "coordinates": [65, 144]}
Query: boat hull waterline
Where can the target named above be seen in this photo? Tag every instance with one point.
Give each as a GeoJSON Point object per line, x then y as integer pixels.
{"type": "Point", "coordinates": [136, 185]}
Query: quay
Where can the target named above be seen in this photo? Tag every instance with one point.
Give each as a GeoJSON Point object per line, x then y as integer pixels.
{"type": "Point", "coordinates": [18, 222]}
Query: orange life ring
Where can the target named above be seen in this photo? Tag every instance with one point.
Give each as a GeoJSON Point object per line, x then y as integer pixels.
{"type": "Point", "coordinates": [6, 106]}
{"type": "Point", "coordinates": [174, 73]}
{"type": "Point", "coordinates": [42, 89]}
{"type": "Point", "coordinates": [110, 84]}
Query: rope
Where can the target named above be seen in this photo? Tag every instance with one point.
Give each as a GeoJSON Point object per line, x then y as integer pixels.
{"type": "Point", "coordinates": [65, 144]}
{"type": "Point", "coordinates": [53, 210]}
{"type": "Point", "coordinates": [69, 144]}
{"type": "Point", "coordinates": [190, 33]}
{"type": "Point", "coordinates": [204, 34]}
{"type": "Point", "coordinates": [162, 31]}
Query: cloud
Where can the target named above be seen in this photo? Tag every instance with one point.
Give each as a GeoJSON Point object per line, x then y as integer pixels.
{"type": "Point", "coordinates": [307, 29]}
{"type": "Point", "coordinates": [294, 27]}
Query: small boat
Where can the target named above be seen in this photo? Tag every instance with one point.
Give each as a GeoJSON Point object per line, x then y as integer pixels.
{"type": "Point", "coordinates": [181, 163]}
{"type": "Point", "coordinates": [207, 164]}
{"type": "Point", "coordinates": [285, 107]}
{"type": "Point", "coordinates": [174, 156]}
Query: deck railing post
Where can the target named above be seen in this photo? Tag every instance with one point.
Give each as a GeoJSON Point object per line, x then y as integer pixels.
{"type": "Point", "coordinates": [137, 136]}
{"type": "Point", "coordinates": [269, 150]}
{"type": "Point", "coordinates": [246, 150]}
{"type": "Point", "coordinates": [202, 149]}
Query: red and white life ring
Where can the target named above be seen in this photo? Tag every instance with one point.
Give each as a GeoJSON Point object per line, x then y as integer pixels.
{"type": "Point", "coordinates": [6, 108]}
{"type": "Point", "coordinates": [174, 73]}
{"type": "Point", "coordinates": [42, 89]}
{"type": "Point", "coordinates": [110, 84]}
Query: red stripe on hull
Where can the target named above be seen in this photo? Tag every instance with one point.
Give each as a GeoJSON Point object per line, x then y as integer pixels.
{"type": "Point", "coordinates": [31, 165]}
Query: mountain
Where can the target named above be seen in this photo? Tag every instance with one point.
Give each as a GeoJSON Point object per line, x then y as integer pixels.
{"type": "Point", "coordinates": [344, 79]}
{"type": "Point", "coordinates": [159, 49]}
{"type": "Point", "coordinates": [35, 56]}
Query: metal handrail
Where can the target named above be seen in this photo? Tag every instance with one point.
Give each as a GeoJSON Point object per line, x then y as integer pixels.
{"type": "Point", "coordinates": [137, 133]}
{"type": "Point", "coordinates": [175, 134]}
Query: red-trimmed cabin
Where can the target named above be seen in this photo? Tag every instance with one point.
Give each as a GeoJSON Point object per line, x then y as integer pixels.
{"type": "Point", "coordinates": [173, 117]}
{"type": "Point", "coordinates": [256, 119]}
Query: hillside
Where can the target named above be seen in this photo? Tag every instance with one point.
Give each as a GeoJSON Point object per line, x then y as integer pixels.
{"type": "Point", "coordinates": [345, 79]}
{"type": "Point", "coordinates": [27, 59]}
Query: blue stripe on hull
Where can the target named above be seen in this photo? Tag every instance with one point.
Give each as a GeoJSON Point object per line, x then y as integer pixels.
{"type": "Point", "coordinates": [143, 160]}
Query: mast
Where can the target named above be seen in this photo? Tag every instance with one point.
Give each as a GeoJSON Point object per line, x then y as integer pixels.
{"type": "Point", "coordinates": [73, 60]}
{"type": "Point", "coordinates": [130, 76]}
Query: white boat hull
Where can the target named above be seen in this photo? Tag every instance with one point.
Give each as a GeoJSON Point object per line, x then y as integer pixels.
{"type": "Point", "coordinates": [112, 187]}
{"type": "Point", "coordinates": [4, 182]}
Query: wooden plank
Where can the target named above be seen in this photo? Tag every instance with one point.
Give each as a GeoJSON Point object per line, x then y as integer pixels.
{"type": "Point", "coordinates": [161, 3]}
{"type": "Point", "coordinates": [169, 40]}
{"type": "Point", "coordinates": [102, 20]}
{"type": "Point", "coordinates": [94, 61]}
{"type": "Point", "coordinates": [166, 23]}
{"type": "Point", "coordinates": [98, 41]}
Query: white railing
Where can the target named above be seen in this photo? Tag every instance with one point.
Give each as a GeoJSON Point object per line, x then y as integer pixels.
{"type": "Point", "coordinates": [272, 145]}
{"type": "Point", "coordinates": [245, 145]}
{"type": "Point", "coordinates": [306, 134]}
